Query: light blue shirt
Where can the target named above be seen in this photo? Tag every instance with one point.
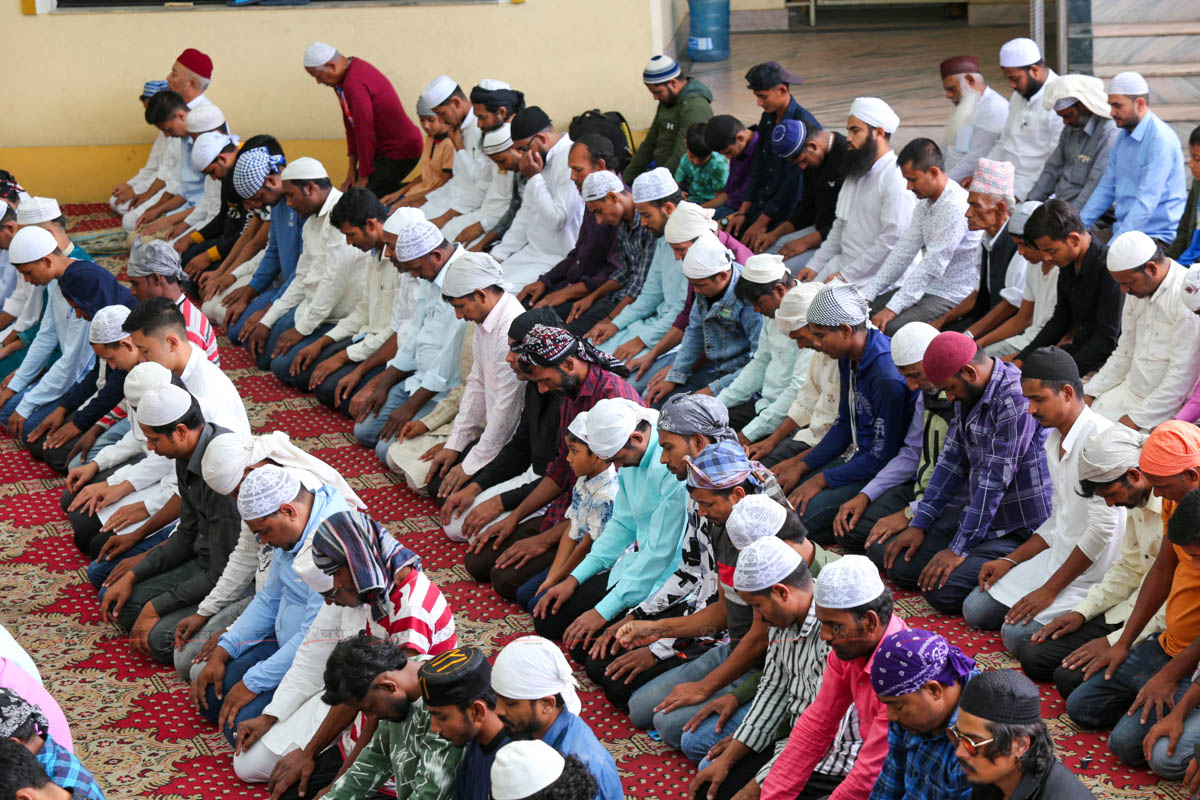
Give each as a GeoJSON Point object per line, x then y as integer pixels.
{"type": "Point", "coordinates": [652, 314]}
{"type": "Point", "coordinates": [571, 736]}
{"type": "Point", "coordinates": [61, 328]}
{"type": "Point", "coordinates": [285, 607]}
{"type": "Point", "coordinates": [1146, 181]}
{"type": "Point", "coordinates": [432, 346]}
{"type": "Point", "coordinates": [191, 182]}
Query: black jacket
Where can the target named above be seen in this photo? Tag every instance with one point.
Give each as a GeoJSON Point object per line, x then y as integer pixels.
{"type": "Point", "coordinates": [1056, 783]}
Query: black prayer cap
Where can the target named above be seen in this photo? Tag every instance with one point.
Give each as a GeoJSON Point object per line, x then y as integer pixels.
{"type": "Point", "coordinates": [455, 676]}
{"type": "Point", "coordinates": [770, 73]}
{"type": "Point", "coordinates": [529, 122]}
{"type": "Point", "coordinates": [1050, 364]}
{"type": "Point", "coordinates": [1002, 695]}
{"type": "Point", "coordinates": [720, 130]}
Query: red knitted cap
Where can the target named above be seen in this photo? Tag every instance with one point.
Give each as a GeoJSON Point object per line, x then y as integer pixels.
{"type": "Point", "coordinates": [949, 352]}
{"type": "Point", "coordinates": [197, 62]}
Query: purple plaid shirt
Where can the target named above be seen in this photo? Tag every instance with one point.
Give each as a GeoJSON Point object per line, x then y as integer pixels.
{"type": "Point", "coordinates": [999, 449]}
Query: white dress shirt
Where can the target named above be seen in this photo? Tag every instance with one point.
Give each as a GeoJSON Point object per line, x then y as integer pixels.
{"type": "Point", "coordinates": [431, 348]}
{"type": "Point", "coordinates": [815, 408]}
{"type": "Point", "coordinates": [370, 322]}
{"type": "Point", "coordinates": [218, 397]}
{"type": "Point", "coordinates": [1014, 274]}
{"type": "Point", "coordinates": [1030, 135]}
{"type": "Point", "coordinates": [61, 328]}
{"type": "Point", "coordinates": [208, 207]}
{"type": "Point", "coordinates": [472, 171]}
{"type": "Point", "coordinates": [977, 136]}
{"type": "Point", "coordinates": [1041, 289]}
{"type": "Point", "coordinates": [146, 175]}
{"type": "Point", "coordinates": [24, 302]}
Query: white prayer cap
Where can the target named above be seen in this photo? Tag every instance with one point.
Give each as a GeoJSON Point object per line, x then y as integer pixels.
{"type": "Point", "coordinates": [471, 272]}
{"type": "Point", "coordinates": [229, 454]}
{"type": "Point", "coordinates": [304, 169]}
{"type": "Point", "coordinates": [31, 244]}
{"type": "Point", "coordinates": [423, 108]}
{"type": "Point", "coordinates": [793, 309]}
{"type": "Point", "coordinates": [764, 563]}
{"type": "Point", "coordinates": [530, 668]}
{"type": "Point", "coordinates": [909, 343]}
{"type": "Point", "coordinates": [1128, 83]}
{"type": "Point", "coordinates": [265, 490]}
{"type": "Point", "coordinates": [417, 239]}
{"type": "Point", "coordinates": [764, 268]}
{"type": "Point", "coordinates": [523, 768]}
{"type": "Point", "coordinates": [401, 218]}
{"type": "Point", "coordinates": [611, 422]}
{"type": "Point", "coordinates": [688, 221]}
{"type": "Point", "coordinates": [754, 517]}
{"type": "Point", "coordinates": [208, 146]}
{"type": "Point", "coordinates": [578, 426]}
{"type": "Point", "coordinates": [1191, 289]}
{"type": "Point", "coordinates": [660, 69]}
{"type": "Point", "coordinates": [318, 54]}
{"type": "Point", "coordinates": [163, 405]}
{"type": "Point", "coordinates": [106, 325]}
{"type": "Point", "coordinates": [706, 257]}
{"type": "Point", "coordinates": [144, 377]}
{"type": "Point", "coordinates": [1020, 216]}
{"type": "Point", "coordinates": [439, 90]}
{"type": "Point", "coordinates": [1110, 453]}
{"type": "Point", "coordinates": [849, 582]}
{"type": "Point", "coordinates": [496, 140]}
{"type": "Point", "coordinates": [875, 113]}
{"type": "Point", "coordinates": [1019, 52]}
{"type": "Point", "coordinates": [1130, 250]}
{"type": "Point", "coordinates": [598, 184]}
{"type": "Point", "coordinates": [312, 575]}
{"type": "Point", "coordinates": [654, 185]}
{"type": "Point", "coordinates": [202, 119]}
{"type": "Point", "coordinates": [36, 210]}
{"type": "Point", "coordinates": [493, 85]}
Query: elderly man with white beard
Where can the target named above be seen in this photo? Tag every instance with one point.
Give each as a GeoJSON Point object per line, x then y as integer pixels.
{"type": "Point", "coordinates": [978, 117]}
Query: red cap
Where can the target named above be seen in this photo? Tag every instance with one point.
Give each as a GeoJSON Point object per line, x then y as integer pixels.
{"type": "Point", "coordinates": [949, 352]}
{"type": "Point", "coordinates": [197, 62]}
{"type": "Point", "coordinates": [959, 65]}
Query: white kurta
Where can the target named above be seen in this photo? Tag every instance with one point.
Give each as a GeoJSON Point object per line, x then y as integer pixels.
{"type": "Point", "coordinates": [1030, 135]}
{"type": "Point", "coordinates": [370, 323]}
{"type": "Point", "coordinates": [1074, 521]}
{"type": "Point", "coordinates": [214, 391]}
{"type": "Point", "coordinates": [168, 173]}
{"type": "Point", "coordinates": [465, 190]}
{"type": "Point", "coordinates": [1041, 289]}
{"type": "Point", "coordinates": [495, 205]}
{"type": "Point", "coordinates": [145, 176]}
{"type": "Point", "coordinates": [977, 136]}
{"type": "Point", "coordinates": [815, 408]}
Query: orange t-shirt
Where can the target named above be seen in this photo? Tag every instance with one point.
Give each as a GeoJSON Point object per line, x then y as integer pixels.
{"type": "Point", "coordinates": [437, 157]}
{"type": "Point", "coordinates": [1183, 603]}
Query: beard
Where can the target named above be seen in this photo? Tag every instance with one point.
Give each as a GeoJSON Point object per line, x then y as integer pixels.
{"type": "Point", "coordinates": [859, 162]}
{"type": "Point", "coordinates": [1032, 88]}
{"type": "Point", "coordinates": [568, 384]}
{"type": "Point", "coordinates": [961, 114]}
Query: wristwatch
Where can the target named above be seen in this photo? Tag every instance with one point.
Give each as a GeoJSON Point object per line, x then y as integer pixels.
{"type": "Point", "coordinates": [909, 513]}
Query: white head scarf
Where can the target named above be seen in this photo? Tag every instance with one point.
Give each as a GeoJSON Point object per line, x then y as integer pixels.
{"type": "Point", "coordinates": [687, 222]}
{"type": "Point", "coordinates": [706, 257]}
{"type": "Point", "coordinates": [471, 272]}
{"type": "Point", "coordinates": [875, 113]}
{"type": "Point", "coordinates": [1109, 454]}
{"type": "Point", "coordinates": [611, 422]}
{"type": "Point", "coordinates": [793, 309]}
{"type": "Point", "coordinates": [229, 454]}
{"type": "Point", "coordinates": [531, 668]}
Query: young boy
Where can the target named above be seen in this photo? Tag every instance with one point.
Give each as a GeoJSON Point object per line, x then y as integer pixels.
{"type": "Point", "coordinates": [702, 175]}
{"type": "Point", "coordinates": [591, 506]}
{"type": "Point", "coordinates": [434, 168]}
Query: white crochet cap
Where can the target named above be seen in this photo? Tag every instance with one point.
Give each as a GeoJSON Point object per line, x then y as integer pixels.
{"type": "Point", "coordinates": [304, 168]}
{"type": "Point", "coordinates": [654, 185]}
{"type": "Point", "coordinates": [36, 210]}
{"type": "Point", "coordinates": [598, 184]}
{"type": "Point", "coordinates": [402, 218]}
{"type": "Point", "coordinates": [1020, 52]}
{"type": "Point", "coordinates": [909, 343]}
{"type": "Point", "coordinates": [524, 768]}
{"type": "Point", "coordinates": [163, 405]}
{"type": "Point", "coordinates": [417, 239]}
{"type": "Point", "coordinates": [439, 90]}
{"type": "Point", "coordinates": [764, 563]}
{"type": "Point", "coordinates": [754, 517]}
{"type": "Point", "coordinates": [143, 378]}
{"type": "Point", "coordinates": [849, 582]}
{"type": "Point", "coordinates": [106, 325]}
{"type": "Point", "coordinates": [318, 54]}
{"type": "Point", "coordinates": [265, 490]}
{"type": "Point", "coordinates": [1128, 83]}
{"type": "Point", "coordinates": [202, 119]}
{"type": "Point", "coordinates": [1130, 250]}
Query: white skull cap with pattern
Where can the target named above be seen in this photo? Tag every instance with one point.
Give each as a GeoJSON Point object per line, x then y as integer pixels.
{"type": "Point", "coordinates": [764, 563]}
{"type": "Point", "coordinates": [106, 325]}
{"type": "Point", "coordinates": [687, 222]}
{"type": "Point", "coordinates": [144, 377]}
{"type": "Point", "coordinates": [31, 244]}
{"type": "Point", "coordinates": [764, 268]}
{"type": "Point", "coordinates": [304, 168]}
{"type": "Point", "coordinates": [471, 272]}
{"type": "Point", "coordinates": [612, 421]}
{"type": "Point", "coordinates": [530, 668]}
{"type": "Point", "coordinates": [1191, 289]}
{"type": "Point", "coordinates": [654, 185]}
{"type": "Point", "coordinates": [754, 517]}
{"type": "Point", "coordinates": [163, 405]}
{"type": "Point", "coordinates": [265, 490]}
{"type": "Point", "coordinates": [202, 119]}
{"type": "Point", "coordinates": [1020, 216]}
{"type": "Point", "coordinates": [401, 218]}
{"type": "Point", "coordinates": [909, 343]}
{"type": "Point", "coordinates": [849, 582]}
{"type": "Point", "coordinates": [793, 309]}
{"type": "Point", "coordinates": [497, 140]}
{"type": "Point", "coordinates": [1128, 83]}
{"type": "Point", "coordinates": [36, 210]}
{"type": "Point", "coordinates": [439, 90]}
{"type": "Point", "coordinates": [524, 768]}
{"type": "Point", "coordinates": [1019, 52]}
{"type": "Point", "coordinates": [417, 239]}
{"type": "Point", "coordinates": [598, 184]}
{"type": "Point", "coordinates": [706, 257]}
{"type": "Point", "coordinates": [1130, 250]}
{"type": "Point", "coordinates": [318, 54]}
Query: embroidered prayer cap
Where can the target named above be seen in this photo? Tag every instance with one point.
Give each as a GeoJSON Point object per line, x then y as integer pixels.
{"type": "Point", "coordinates": [15, 711]}
{"type": "Point", "coordinates": [764, 563]}
{"type": "Point", "coordinates": [1020, 217]}
{"type": "Point", "coordinates": [660, 69]}
{"type": "Point", "coordinates": [875, 113]}
{"type": "Point", "coordinates": [36, 210]}
{"type": "Point", "coordinates": [1172, 447]}
{"type": "Point", "coordinates": [304, 169]}
{"type": "Point", "coordinates": [1001, 695]}
{"type": "Point", "coordinates": [1063, 103]}
{"type": "Point", "coordinates": [993, 177]}
{"type": "Point", "coordinates": [497, 140]}
{"type": "Point", "coordinates": [838, 304]}
{"type": "Point", "coordinates": [696, 414]}
{"type": "Point", "coordinates": [529, 122]}
{"type": "Point", "coordinates": [946, 354]}
{"type": "Point", "coordinates": [654, 185]}
{"type": "Point", "coordinates": [202, 119]}
{"type": "Point", "coordinates": [151, 88]}
{"type": "Point", "coordinates": [530, 668]}
{"type": "Point", "coordinates": [907, 660]}
{"type": "Point", "coordinates": [106, 325]}
{"type": "Point", "coordinates": [707, 257]}
{"type": "Point", "coordinates": [764, 268]}
{"type": "Point", "coordinates": [849, 582]}
{"type": "Point", "coordinates": [788, 137]}
{"type": "Point", "coordinates": [1191, 289]}
{"type": "Point", "coordinates": [910, 342]}
{"type": "Point", "coordinates": [31, 244]}
{"type": "Point", "coordinates": [438, 90]}
{"type": "Point", "coordinates": [611, 422]}
{"type": "Point", "coordinates": [1128, 83]}
{"type": "Point", "coordinates": [1049, 364]}
{"type": "Point", "coordinates": [524, 768]}
{"type": "Point", "coordinates": [318, 54]}
{"type": "Point", "coordinates": [265, 490]}
{"type": "Point", "coordinates": [455, 676]}
{"type": "Point", "coordinates": [793, 309]}
{"type": "Point", "coordinates": [312, 575]}
{"type": "Point", "coordinates": [597, 185]}
{"type": "Point", "coordinates": [471, 272]}
{"type": "Point", "coordinates": [1109, 454]}
{"type": "Point", "coordinates": [208, 146]}
{"type": "Point", "coordinates": [164, 405]}
{"type": "Point", "coordinates": [689, 221]}
{"type": "Point", "coordinates": [417, 239]}
{"type": "Point", "coordinates": [401, 218]}
{"type": "Point", "coordinates": [155, 257]}
{"type": "Point", "coordinates": [959, 65]}
{"type": "Point", "coordinates": [720, 466]}
{"type": "Point", "coordinates": [144, 377]}
{"type": "Point", "coordinates": [197, 62]}
{"type": "Point", "coordinates": [355, 541]}
{"type": "Point", "coordinates": [769, 74]}
{"type": "Point", "coordinates": [755, 516]}
{"type": "Point", "coordinates": [1130, 250]}
{"type": "Point", "coordinates": [252, 168]}
{"type": "Point", "coordinates": [1019, 52]}
{"type": "Point", "coordinates": [1067, 90]}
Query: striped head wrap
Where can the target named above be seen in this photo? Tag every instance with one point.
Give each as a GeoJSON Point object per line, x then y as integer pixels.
{"type": "Point", "coordinates": [354, 540]}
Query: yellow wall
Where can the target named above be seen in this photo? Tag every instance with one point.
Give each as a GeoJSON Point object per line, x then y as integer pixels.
{"type": "Point", "coordinates": [72, 78]}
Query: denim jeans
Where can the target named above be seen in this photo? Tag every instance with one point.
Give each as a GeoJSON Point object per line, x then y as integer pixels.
{"type": "Point", "coordinates": [234, 332]}
{"type": "Point", "coordinates": [527, 596]}
{"type": "Point", "coordinates": [234, 671]}
{"type": "Point", "coordinates": [35, 417]}
{"type": "Point", "coordinates": [367, 432]}
{"type": "Point", "coordinates": [282, 365]}
{"type": "Point", "coordinates": [110, 436]}
{"type": "Point", "coordinates": [217, 623]}
{"type": "Point", "coordinates": [818, 516]}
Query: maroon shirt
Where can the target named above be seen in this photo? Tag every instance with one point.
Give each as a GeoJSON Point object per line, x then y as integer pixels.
{"type": "Point", "coordinates": [376, 124]}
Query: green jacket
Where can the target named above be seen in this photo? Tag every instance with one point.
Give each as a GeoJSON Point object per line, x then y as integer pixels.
{"type": "Point", "coordinates": [664, 144]}
{"type": "Point", "coordinates": [1187, 224]}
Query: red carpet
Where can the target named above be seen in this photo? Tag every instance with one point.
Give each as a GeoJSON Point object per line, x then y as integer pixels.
{"type": "Point", "coordinates": [130, 718]}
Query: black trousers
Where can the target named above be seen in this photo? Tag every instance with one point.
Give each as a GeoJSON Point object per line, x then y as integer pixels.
{"type": "Point", "coordinates": [741, 415]}
{"type": "Point", "coordinates": [86, 527]}
{"type": "Point", "coordinates": [739, 775]}
{"type": "Point", "coordinates": [389, 174]}
{"type": "Point", "coordinates": [508, 580]}
{"type": "Point", "coordinates": [1043, 661]}
{"type": "Point", "coordinates": [586, 596]}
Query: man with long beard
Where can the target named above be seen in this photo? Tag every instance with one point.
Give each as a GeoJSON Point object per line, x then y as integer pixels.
{"type": "Point", "coordinates": [977, 119]}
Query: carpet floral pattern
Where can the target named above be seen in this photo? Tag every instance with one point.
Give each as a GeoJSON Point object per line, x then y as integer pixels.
{"type": "Point", "coordinates": [130, 717]}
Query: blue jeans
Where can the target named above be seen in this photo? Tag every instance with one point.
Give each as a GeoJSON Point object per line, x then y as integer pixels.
{"type": "Point", "coordinates": [367, 431]}
{"type": "Point", "coordinates": [282, 365]}
{"type": "Point", "coordinates": [818, 516]}
{"type": "Point", "coordinates": [527, 596]}
{"type": "Point", "coordinates": [234, 671]}
{"type": "Point", "coordinates": [234, 332]}
{"type": "Point", "coordinates": [110, 436]}
{"type": "Point", "coordinates": [1173, 767]}
{"type": "Point", "coordinates": [98, 571]}
{"type": "Point", "coordinates": [35, 417]}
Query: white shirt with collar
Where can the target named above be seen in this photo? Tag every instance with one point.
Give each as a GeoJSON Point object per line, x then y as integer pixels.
{"type": "Point", "coordinates": [24, 302]}
{"type": "Point", "coordinates": [472, 172]}
{"type": "Point", "coordinates": [977, 136]}
{"type": "Point", "coordinates": [1030, 135]}
{"type": "Point", "coordinates": [1156, 364]}
{"type": "Point", "coordinates": [370, 323]}
{"type": "Point", "coordinates": [218, 397]}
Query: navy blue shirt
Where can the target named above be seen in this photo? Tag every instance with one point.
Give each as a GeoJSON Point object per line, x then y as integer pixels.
{"type": "Point", "coordinates": [473, 777]}
{"type": "Point", "coordinates": [775, 183]}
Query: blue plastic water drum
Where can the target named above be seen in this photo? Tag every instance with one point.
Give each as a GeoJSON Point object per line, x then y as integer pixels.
{"type": "Point", "coordinates": [708, 34]}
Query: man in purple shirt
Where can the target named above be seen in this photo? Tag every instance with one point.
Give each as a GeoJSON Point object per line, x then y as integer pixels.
{"type": "Point", "coordinates": [725, 134]}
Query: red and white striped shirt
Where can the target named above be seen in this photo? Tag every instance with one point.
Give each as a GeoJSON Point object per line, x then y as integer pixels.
{"type": "Point", "coordinates": [199, 329]}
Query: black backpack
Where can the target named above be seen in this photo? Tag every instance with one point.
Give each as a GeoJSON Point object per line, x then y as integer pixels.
{"type": "Point", "coordinates": [612, 126]}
